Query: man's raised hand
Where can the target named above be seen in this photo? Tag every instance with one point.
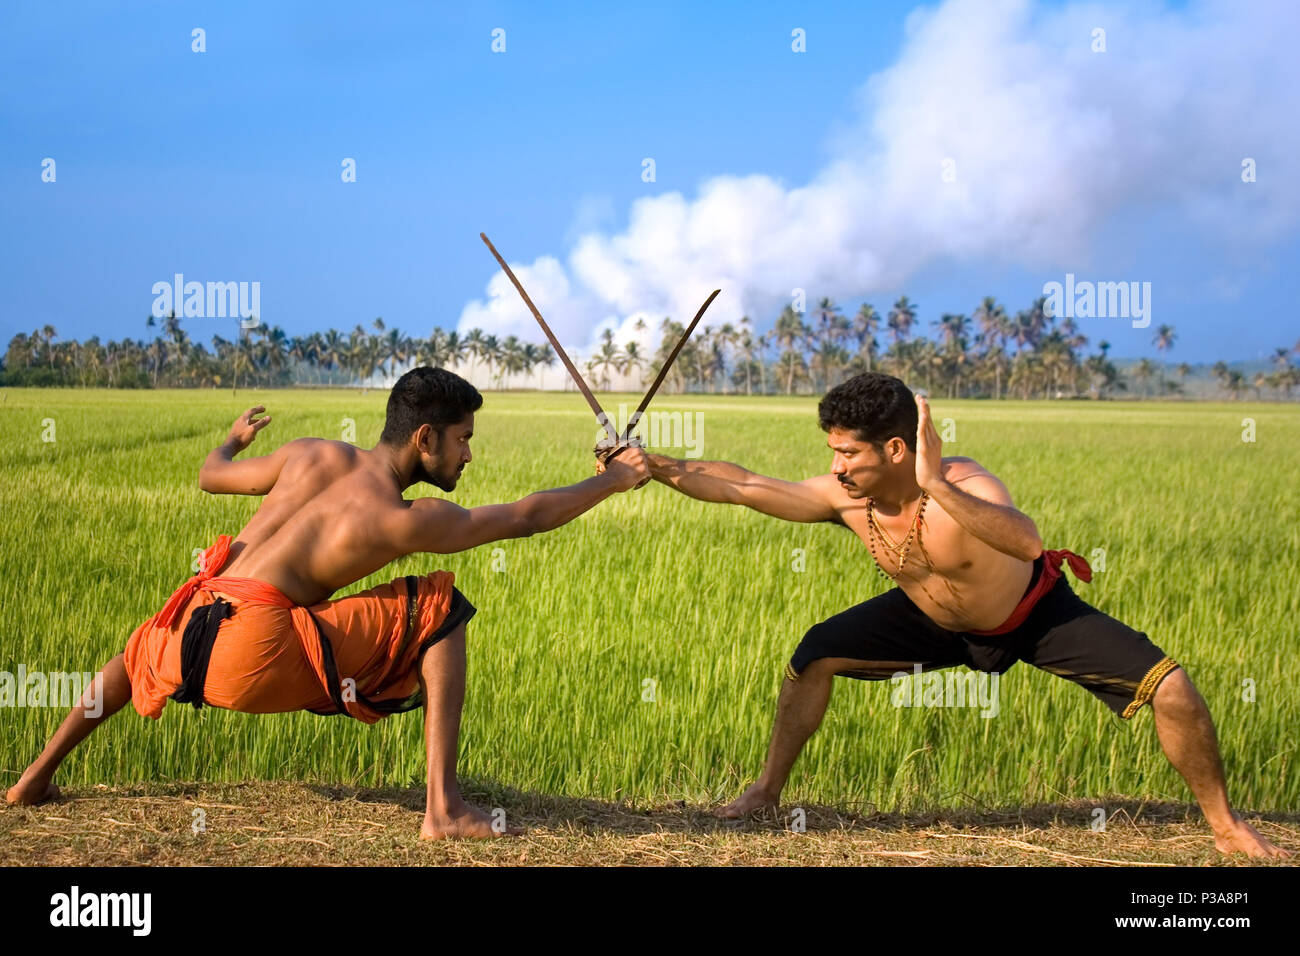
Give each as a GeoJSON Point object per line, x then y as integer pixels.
{"type": "Point", "coordinates": [929, 448]}
{"type": "Point", "coordinates": [246, 427]}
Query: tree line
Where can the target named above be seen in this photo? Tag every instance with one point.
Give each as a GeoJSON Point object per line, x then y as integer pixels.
{"type": "Point", "coordinates": [988, 353]}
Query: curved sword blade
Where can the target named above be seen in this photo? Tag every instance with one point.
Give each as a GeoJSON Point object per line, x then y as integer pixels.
{"type": "Point", "coordinates": [663, 371]}
{"type": "Point", "coordinates": [555, 344]}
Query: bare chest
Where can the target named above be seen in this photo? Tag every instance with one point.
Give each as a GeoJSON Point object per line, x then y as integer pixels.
{"type": "Point", "coordinates": [916, 544]}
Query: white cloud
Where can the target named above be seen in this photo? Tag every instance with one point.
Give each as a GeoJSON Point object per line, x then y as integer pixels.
{"type": "Point", "coordinates": [1049, 140]}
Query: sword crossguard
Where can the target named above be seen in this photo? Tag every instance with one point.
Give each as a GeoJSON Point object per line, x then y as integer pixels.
{"type": "Point", "coordinates": [605, 449]}
{"type": "Point", "coordinates": [612, 444]}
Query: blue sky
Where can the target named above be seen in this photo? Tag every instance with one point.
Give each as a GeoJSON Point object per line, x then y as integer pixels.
{"type": "Point", "coordinates": [225, 165]}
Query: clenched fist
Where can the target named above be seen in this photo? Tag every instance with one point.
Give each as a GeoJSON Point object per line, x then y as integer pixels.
{"type": "Point", "coordinates": [628, 463]}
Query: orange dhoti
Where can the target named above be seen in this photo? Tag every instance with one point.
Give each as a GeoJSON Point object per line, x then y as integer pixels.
{"type": "Point", "coordinates": [357, 655]}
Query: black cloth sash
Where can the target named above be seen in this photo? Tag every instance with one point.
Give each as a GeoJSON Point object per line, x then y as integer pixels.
{"type": "Point", "coordinates": [201, 634]}
{"type": "Point", "coordinates": [196, 650]}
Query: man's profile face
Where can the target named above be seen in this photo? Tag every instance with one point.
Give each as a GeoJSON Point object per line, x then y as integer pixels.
{"type": "Point", "coordinates": [443, 458]}
{"type": "Point", "coordinates": [859, 466]}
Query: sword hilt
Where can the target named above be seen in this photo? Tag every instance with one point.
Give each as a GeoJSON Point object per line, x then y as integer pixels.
{"type": "Point", "coordinates": [607, 453]}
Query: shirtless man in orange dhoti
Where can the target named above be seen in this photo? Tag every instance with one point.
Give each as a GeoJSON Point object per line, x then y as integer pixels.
{"type": "Point", "coordinates": [255, 631]}
{"type": "Point", "coordinates": [973, 587]}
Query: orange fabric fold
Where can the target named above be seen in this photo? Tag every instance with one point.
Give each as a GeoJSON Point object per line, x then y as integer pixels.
{"type": "Point", "coordinates": [268, 657]}
{"type": "Point", "coordinates": [1052, 561]}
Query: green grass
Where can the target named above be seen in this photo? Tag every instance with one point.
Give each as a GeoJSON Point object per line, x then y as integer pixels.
{"type": "Point", "coordinates": [1201, 532]}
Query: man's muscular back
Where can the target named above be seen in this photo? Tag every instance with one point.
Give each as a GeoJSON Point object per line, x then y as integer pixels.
{"type": "Point", "coordinates": [324, 524]}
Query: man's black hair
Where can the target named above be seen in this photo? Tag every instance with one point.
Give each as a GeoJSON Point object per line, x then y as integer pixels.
{"type": "Point", "coordinates": [427, 396]}
{"type": "Point", "coordinates": [874, 406]}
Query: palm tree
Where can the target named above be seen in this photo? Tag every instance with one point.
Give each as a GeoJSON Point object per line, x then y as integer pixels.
{"type": "Point", "coordinates": [901, 317]}
{"type": "Point", "coordinates": [790, 334]}
{"type": "Point", "coordinates": [453, 348]}
{"type": "Point", "coordinates": [1102, 371]}
{"type": "Point", "coordinates": [544, 359]}
{"type": "Point", "coordinates": [828, 359]}
{"type": "Point", "coordinates": [1058, 362]}
{"type": "Point", "coordinates": [953, 327]}
{"type": "Point", "coordinates": [865, 324]}
{"type": "Point", "coordinates": [275, 346]}
{"type": "Point", "coordinates": [793, 366]}
{"type": "Point", "coordinates": [764, 343]}
{"type": "Point", "coordinates": [157, 353]}
{"type": "Point", "coordinates": [332, 346]}
{"type": "Point", "coordinates": [747, 346]}
{"type": "Point", "coordinates": [1164, 338]}
{"type": "Point", "coordinates": [48, 335]}
{"type": "Point", "coordinates": [1261, 380]}
{"type": "Point", "coordinates": [1027, 329]}
{"type": "Point", "coordinates": [1221, 373]}
{"type": "Point", "coordinates": [429, 349]}
{"type": "Point", "coordinates": [725, 341]}
{"type": "Point", "coordinates": [1026, 372]}
{"type": "Point", "coordinates": [607, 358]}
{"type": "Point", "coordinates": [393, 349]}
{"type": "Point", "coordinates": [490, 349]}
{"type": "Point", "coordinates": [241, 361]}
{"type": "Point", "coordinates": [994, 329]}
{"type": "Point", "coordinates": [1286, 375]}
{"type": "Point", "coordinates": [826, 313]}
{"type": "Point", "coordinates": [511, 358]}
{"type": "Point", "coordinates": [1143, 372]}
{"type": "Point", "coordinates": [298, 348]}
{"type": "Point", "coordinates": [631, 359]}
{"type": "Point", "coordinates": [474, 344]}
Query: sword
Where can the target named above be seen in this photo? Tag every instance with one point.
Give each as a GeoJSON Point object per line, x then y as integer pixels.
{"type": "Point", "coordinates": [555, 344]}
{"type": "Point", "coordinates": [618, 442]}
{"type": "Point", "coordinates": [663, 371]}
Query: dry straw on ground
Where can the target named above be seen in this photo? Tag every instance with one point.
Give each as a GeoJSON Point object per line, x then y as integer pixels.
{"type": "Point", "coordinates": [301, 824]}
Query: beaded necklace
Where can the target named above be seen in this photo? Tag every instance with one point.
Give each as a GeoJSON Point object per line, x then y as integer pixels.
{"type": "Point", "coordinates": [900, 551]}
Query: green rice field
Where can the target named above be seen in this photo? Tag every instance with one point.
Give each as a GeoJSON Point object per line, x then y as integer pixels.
{"type": "Point", "coordinates": [636, 654]}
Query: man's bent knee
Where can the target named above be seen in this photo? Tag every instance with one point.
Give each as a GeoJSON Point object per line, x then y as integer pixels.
{"type": "Point", "coordinates": [1176, 691]}
{"type": "Point", "coordinates": [823, 668]}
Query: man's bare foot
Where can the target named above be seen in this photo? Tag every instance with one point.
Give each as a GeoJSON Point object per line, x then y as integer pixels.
{"type": "Point", "coordinates": [463, 821]}
{"type": "Point", "coordinates": [754, 799]}
{"type": "Point", "coordinates": [1241, 837]}
{"type": "Point", "coordinates": [28, 793]}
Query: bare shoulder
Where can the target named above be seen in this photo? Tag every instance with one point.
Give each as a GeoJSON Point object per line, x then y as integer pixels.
{"type": "Point", "coordinates": [320, 450]}
{"type": "Point", "coordinates": [973, 478]}
{"type": "Point", "coordinates": [829, 490]}
{"type": "Point", "coordinates": [431, 508]}
{"type": "Point", "coordinates": [957, 468]}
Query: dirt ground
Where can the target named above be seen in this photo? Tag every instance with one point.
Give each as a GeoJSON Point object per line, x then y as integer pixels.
{"type": "Point", "coordinates": [280, 823]}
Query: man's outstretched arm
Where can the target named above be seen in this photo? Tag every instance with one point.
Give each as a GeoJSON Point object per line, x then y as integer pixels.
{"type": "Point", "coordinates": [441, 527]}
{"type": "Point", "coordinates": [222, 475]}
{"type": "Point", "coordinates": [724, 482]}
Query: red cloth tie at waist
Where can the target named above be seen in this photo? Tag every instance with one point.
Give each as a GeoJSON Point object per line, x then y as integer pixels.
{"type": "Point", "coordinates": [211, 562]}
{"type": "Point", "coordinates": [1052, 561]}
